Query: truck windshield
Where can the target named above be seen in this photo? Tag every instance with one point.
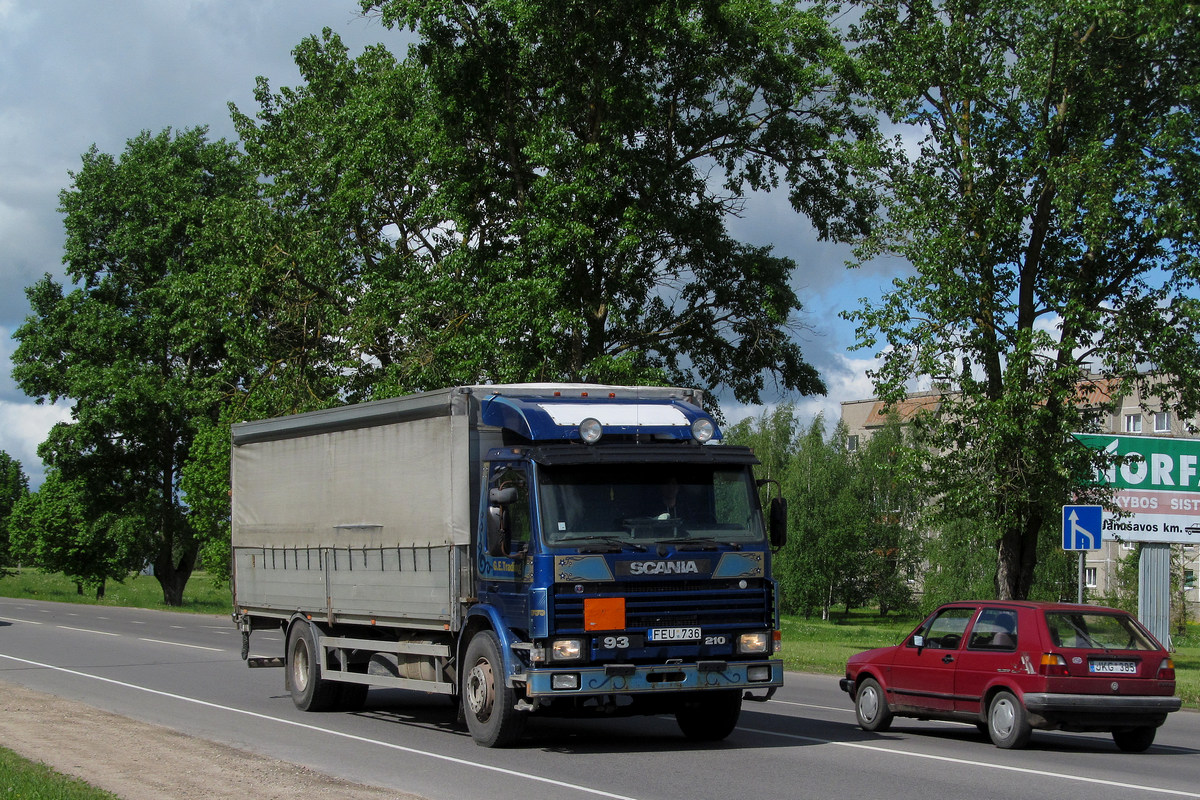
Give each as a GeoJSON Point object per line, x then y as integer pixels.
{"type": "Point", "coordinates": [614, 505]}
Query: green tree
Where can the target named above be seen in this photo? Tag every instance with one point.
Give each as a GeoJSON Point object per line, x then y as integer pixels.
{"type": "Point", "coordinates": [57, 529]}
{"type": "Point", "coordinates": [539, 190]}
{"type": "Point", "coordinates": [819, 566]}
{"type": "Point", "coordinates": [1050, 224]}
{"type": "Point", "coordinates": [961, 558]}
{"type": "Point", "coordinates": [13, 487]}
{"type": "Point", "coordinates": [890, 506]}
{"type": "Point", "coordinates": [136, 348]}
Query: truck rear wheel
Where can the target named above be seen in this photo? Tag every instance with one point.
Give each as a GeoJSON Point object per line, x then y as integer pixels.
{"type": "Point", "coordinates": [709, 716]}
{"type": "Point", "coordinates": [488, 702]}
{"type": "Point", "coordinates": [310, 692]}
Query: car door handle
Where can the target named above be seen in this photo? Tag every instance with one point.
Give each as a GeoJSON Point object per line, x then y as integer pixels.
{"type": "Point", "coordinates": [947, 659]}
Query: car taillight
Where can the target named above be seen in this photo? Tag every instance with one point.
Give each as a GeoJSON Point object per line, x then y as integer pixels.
{"type": "Point", "coordinates": [1054, 665]}
{"type": "Point", "coordinates": [1166, 670]}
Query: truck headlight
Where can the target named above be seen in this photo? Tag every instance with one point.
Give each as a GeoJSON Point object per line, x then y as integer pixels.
{"type": "Point", "coordinates": [757, 642]}
{"type": "Point", "coordinates": [590, 430]}
{"type": "Point", "coordinates": [703, 430]}
{"type": "Point", "coordinates": [566, 650]}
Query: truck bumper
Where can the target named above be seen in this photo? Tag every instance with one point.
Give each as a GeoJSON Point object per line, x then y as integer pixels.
{"type": "Point", "coordinates": [637, 678]}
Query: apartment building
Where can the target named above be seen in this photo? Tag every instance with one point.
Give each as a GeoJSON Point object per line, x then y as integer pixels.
{"type": "Point", "coordinates": [1132, 416]}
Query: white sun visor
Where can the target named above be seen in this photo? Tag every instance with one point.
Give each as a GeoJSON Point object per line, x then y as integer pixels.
{"type": "Point", "coordinates": [616, 415]}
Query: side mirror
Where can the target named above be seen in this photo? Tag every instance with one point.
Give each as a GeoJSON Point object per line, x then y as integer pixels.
{"type": "Point", "coordinates": [497, 524]}
{"type": "Point", "coordinates": [918, 641]}
{"type": "Point", "coordinates": [778, 522]}
{"type": "Point", "coordinates": [502, 497]}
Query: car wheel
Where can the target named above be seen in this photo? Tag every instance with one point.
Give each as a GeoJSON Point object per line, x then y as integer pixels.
{"type": "Point", "coordinates": [1008, 724]}
{"type": "Point", "coordinates": [1135, 740]}
{"type": "Point", "coordinates": [871, 708]}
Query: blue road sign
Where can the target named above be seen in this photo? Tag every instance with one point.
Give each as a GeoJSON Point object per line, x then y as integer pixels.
{"type": "Point", "coordinates": [1083, 527]}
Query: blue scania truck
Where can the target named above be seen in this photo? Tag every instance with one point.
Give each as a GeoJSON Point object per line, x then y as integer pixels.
{"type": "Point", "coordinates": [525, 550]}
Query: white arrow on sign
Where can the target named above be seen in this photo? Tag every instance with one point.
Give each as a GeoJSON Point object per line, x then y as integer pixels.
{"type": "Point", "coordinates": [1083, 539]}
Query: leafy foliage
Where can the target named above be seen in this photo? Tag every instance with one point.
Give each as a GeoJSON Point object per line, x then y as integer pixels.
{"type": "Point", "coordinates": [13, 487]}
{"type": "Point", "coordinates": [852, 531]}
{"type": "Point", "coordinates": [539, 190]}
{"type": "Point", "coordinates": [1052, 233]}
{"type": "Point", "coordinates": [136, 348]}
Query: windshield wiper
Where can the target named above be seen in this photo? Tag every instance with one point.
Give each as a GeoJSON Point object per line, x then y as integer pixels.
{"type": "Point", "coordinates": [1084, 635]}
{"type": "Point", "coordinates": [612, 544]}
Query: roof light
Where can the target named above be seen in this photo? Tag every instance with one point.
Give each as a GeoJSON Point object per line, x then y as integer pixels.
{"type": "Point", "coordinates": [703, 430]}
{"type": "Point", "coordinates": [590, 430]}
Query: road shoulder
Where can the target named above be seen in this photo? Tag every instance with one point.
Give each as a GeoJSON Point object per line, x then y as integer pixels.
{"type": "Point", "coordinates": [139, 761]}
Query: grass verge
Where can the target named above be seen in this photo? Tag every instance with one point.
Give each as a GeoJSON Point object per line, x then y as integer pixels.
{"type": "Point", "coordinates": [29, 780]}
{"type": "Point", "coordinates": [202, 595]}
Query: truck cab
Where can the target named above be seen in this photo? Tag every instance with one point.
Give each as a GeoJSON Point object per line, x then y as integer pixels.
{"type": "Point", "coordinates": [626, 554]}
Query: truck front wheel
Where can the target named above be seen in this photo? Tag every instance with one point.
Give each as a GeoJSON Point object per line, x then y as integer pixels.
{"type": "Point", "coordinates": [709, 716]}
{"type": "Point", "coordinates": [310, 692]}
{"type": "Point", "coordinates": [488, 702]}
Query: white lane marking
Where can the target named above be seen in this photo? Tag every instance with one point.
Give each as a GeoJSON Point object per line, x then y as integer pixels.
{"type": "Point", "coordinates": [352, 737]}
{"type": "Point", "coordinates": [181, 644]}
{"type": "Point", "coordinates": [811, 705]}
{"type": "Point", "coordinates": [85, 630]}
{"type": "Point", "coordinates": [982, 764]}
{"type": "Point", "coordinates": [14, 619]}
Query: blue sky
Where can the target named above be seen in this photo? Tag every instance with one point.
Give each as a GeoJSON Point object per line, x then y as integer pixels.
{"type": "Point", "coordinates": [79, 72]}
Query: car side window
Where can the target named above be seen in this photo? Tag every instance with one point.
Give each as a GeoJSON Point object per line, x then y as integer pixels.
{"type": "Point", "coordinates": [944, 631]}
{"type": "Point", "coordinates": [996, 629]}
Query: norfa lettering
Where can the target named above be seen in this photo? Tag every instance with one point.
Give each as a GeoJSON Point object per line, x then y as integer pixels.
{"type": "Point", "coordinates": [1148, 462]}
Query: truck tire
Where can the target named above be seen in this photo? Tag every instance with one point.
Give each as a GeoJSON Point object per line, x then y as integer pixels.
{"type": "Point", "coordinates": [871, 707]}
{"type": "Point", "coordinates": [310, 692]}
{"type": "Point", "coordinates": [709, 716]}
{"type": "Point", "coordinates": [488, 702]}
{"type": "Point", "coordinates": [351, 696]}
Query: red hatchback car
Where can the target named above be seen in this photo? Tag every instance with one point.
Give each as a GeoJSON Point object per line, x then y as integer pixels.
{"type": "Point", "coordinates": [1011, 667]}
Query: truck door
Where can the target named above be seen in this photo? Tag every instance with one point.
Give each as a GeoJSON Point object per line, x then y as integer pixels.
{"type": "Point", "coordinates": [506, 577]}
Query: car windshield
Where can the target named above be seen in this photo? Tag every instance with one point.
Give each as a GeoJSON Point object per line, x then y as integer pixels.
{"type": "Point", "coordinates": [1096, 631]}
{"type": "Point", "coordinates": [630, 505]}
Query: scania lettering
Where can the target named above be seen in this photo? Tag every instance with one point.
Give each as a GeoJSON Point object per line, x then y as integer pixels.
{"type": "Point", "coordinates": [525, 550]}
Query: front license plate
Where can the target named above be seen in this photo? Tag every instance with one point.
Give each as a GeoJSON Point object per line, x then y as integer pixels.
{"type": "Point", "coordinates": [1113, 667]}
{"type": "Point", "coordinates": [674, 634]}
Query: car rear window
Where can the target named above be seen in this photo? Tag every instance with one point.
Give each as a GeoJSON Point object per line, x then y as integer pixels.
{"type": "Point", "coordinates": [1092, 631]}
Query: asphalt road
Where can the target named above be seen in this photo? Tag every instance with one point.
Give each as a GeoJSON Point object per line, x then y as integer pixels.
{"type": "Point", "coordinates": [184, 671]}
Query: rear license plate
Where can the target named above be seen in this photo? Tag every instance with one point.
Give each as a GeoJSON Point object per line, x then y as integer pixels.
{"type": "Point", "coordinates": [673, 634]}
{"type": "Point", "coordinates": [1113, 667]}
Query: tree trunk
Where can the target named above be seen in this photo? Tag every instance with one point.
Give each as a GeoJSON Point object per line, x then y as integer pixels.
{"type": "Point", "coordinates": [173, 575]}
{"type": "Point", "coordinates": [1017, 558]}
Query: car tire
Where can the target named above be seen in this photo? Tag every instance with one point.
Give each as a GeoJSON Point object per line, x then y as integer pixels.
{"type": "Point", "coordinates": [1135, 740]}
{"type": "Point", "coordinates": [1008, 722]}
{"type": "Point", "coordinates": [871, 707]}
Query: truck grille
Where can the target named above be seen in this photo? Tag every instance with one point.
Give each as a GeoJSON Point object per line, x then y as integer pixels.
{"type": "Point", "coordinates": [720, 606]}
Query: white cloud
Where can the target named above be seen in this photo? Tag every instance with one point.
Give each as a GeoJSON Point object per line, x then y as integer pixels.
{"type": "Point", "coordinates": [846, 379]}
{"type": "Point", "coordinates": [23, 426]}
